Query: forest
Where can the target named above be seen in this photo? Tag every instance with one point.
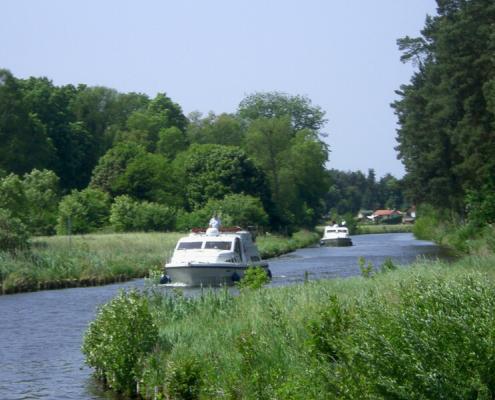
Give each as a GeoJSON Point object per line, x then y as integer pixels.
{"type": "Point", "coordinates": [79, 159]}
{"type": "Point", "coordinates": [446, 115]}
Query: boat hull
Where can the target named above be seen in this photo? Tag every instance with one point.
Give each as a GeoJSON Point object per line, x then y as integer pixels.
{"type": "Point", "coordinates": [207, 274]}
{"type": "Point", "coordinates": [336, 242]}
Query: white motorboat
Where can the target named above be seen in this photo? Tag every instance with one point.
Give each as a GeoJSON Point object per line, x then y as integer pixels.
{"type": "Point", "coordinates": [336, 236]}
{"type": "Point", "coordinates": [211, 257]}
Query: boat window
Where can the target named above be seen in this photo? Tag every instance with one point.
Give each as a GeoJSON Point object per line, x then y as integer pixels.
{"type": "Point", "coordinates": [342, 230]}
{"type": "Point", "coordinates": [218, 245]}
{"type": "Point", "coordinates": [237, 248]}
{"type": "Point", "coordinates": [189, 245]}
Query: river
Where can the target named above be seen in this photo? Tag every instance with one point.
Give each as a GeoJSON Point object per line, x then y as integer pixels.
{"type": "Point", "coordinates": [41, 332]}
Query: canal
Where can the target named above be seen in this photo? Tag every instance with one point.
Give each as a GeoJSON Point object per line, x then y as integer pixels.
{"type": "Point", "coordinates": [41, 332]}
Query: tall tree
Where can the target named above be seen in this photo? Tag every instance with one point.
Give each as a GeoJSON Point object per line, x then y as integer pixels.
{"type": "Point", "coordinates": [144, 126]}
{"type": "Point", "coordinates": [447, 121]}
{"type": "Point", "coordinates": [214, 171]}
{"type": "Point", "coordinates": [223, 129]}
{"type": "Point", "coordinates": [302, 114]}
{"type": "Point", "coordinates": [24, 143]}
{"type": "Point", "coordinates": [294, 163]}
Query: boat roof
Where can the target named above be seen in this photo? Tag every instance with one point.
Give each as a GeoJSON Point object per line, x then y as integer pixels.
{"type": "Point", "coordinates": [227, 233]}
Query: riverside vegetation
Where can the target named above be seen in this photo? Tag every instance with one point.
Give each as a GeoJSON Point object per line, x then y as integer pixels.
{"type": "Point", "coordinates": [392, 335]}
{"type": "Point", "coordinates": [86, 260]}
{"type": "Point", "coordinates": [426, 331]}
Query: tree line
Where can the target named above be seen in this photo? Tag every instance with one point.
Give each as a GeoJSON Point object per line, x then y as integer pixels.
{"type": "Point", "coordinates": [446, 112]}
{"type": "Point", "coordinates": [101, 156]}
{"type": "Point", "coordinates": [78, 158]}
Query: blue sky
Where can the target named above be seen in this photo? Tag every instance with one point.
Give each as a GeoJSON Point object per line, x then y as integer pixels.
{"type": "Point", "coordinates": [208, 55]}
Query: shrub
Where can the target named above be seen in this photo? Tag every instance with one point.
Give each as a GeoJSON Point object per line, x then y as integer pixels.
{"type": "Point", "coordinates": [481, 205]}
{"type": "Point", "coordinates": [87, 211]}
{"type": "Point", "coordinates": [328, 330]}
{"type": "Point", "coordinates": [428, 225]}
{"type": "Point", "coordinates": [118, 340]}
{"type": "Point", "coordinates": [239, 209]}
{"type": "Point", "coordinates": [183, 379]}
{"type": "Point", "coordinates": [254, 278]}
{"type": "Point", "coordinates": [236, 209]}
{"type": "Point", "coordinates": [33, 199]}
{"type": "Point", "coordinates": [435, 341]}
{"type": "Point", "coordinates": [127, 214]}
{"type": "Point", "coordinates": [13, 233]}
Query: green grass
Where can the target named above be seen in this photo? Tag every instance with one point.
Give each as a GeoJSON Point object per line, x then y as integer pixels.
{"type": "Point", "coordinates": [427, 331]}
{"type": "Point", "coordinates": [368, 229]}
{"type": "Point", "coordinates": [84, 260]}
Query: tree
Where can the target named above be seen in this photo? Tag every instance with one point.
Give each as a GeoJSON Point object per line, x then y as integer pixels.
{"type": "Point", "coordinates": [13, 233]}
{"type": "Point", "coordinates": [150, 177]}
{"type": "Point", "coordinates": [445, 113]}
{"type": "Point", "coordinates": [83, 211]}
{"type": "Point", "coordinates": [113, 165]}
{"type": "Point", "coordinates": [239, 210]}
{"type": "Point", "coordinates": [24, 143]}
{"type": "Point", "coordinates": [268, 142]}
{"type": "Point", "coordinates": [144, 126]}
{"type": "Point", "coordinates": [171, 142]}
{"type": "Point", "coordinates": [302, 114]}
{"type": "Point", "coordinates": [42, 194]}
{"type": "Point", "coordinates": [214, 171]}
{"type": "Point", "coordinates": [294, 163]}
{"type": "Point", "coordinates": [127, 214]}
{"type": "Point", "coordinates": [223, 129]}
{"type": "Point", "coordinates": [32, 199]}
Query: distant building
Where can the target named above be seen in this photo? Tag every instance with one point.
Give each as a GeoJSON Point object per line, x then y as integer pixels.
{"type": "Point", "coordinates": [387, 216]}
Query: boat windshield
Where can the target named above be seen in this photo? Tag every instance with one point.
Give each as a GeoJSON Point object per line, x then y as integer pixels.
{"type": "Point", "coordinates": [218, 245]}
{"type": "Point", "coordinates": [189, 245]}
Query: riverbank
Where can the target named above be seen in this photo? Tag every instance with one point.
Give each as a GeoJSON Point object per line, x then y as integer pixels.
{"type": "Point", "coordinates": [371, 229]}
{"type": "Point", "coordinates": [407, 332]}
{"type": "Point", "coordinates": [97, 259]}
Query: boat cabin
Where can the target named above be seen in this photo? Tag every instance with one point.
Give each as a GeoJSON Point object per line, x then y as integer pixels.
{"type": "Point", "coordinates": [214, 245]}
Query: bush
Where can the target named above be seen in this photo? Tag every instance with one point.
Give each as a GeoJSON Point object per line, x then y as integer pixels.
{"type": "Point", "coordinates": [118, 340]}
{"type": "Point", "coordinates": [127, 214]}
{"type": "Point", "coordinates": [435, 342]}
{"type": "Point", "coordinates": [33, 199]}
{"type": "Point", "coordinates": [13, 233]}
{"type": "Point", "coordinates": [239, 209]}
{"type": "Point", "coordinates": [87, 210]}
{"type": "Point", "coordinates": [236, 209]}
{"type": "Point", "coordinates": [429, 224]}
{"type": "Point", "coordinates": [254, 278]}
{"type": "Point", "coordinates": [481, 206]}
{"type": "Point", "coordinates": [183, 379]}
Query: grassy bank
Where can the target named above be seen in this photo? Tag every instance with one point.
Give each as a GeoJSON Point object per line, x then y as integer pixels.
{"type": "Point", "coordinates": [422, 332]}
{"type": "Point", "coordinates": [88, 260]}
{"type": "Point", "coordinates": [399, 228]}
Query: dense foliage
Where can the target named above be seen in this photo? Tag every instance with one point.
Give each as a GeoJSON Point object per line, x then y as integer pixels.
{"type": "Point", "coordinates": [84, 139]}
{"type": "Point", "coordinates": [353, 191]}
{"type": "Point", "coordinates": [447, 112]}
{"type": "Point", "coordinates": [115, 343]}
{"type": "Point", "coordinates": [408, 334]}
{"type": "Point", "coordinates": [13, 233]}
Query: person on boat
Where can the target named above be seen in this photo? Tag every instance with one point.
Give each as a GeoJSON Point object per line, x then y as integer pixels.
{"type": "Point", "coordinates": [215, 222]}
